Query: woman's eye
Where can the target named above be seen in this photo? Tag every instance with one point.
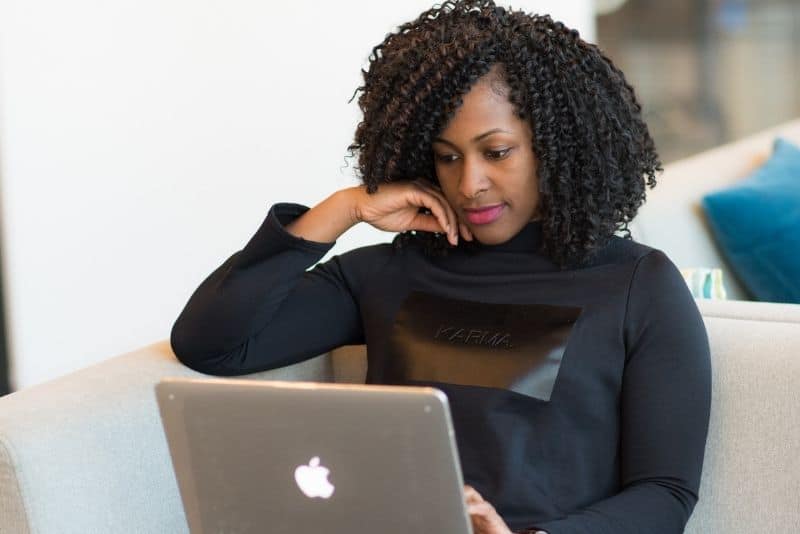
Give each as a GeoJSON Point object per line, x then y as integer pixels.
{"type": "Point", "coordinates": [498, 154]}
{"type": "Point", "coordinates": [493, 154]}
{"type": "Point", "coordinates": [443, 159]}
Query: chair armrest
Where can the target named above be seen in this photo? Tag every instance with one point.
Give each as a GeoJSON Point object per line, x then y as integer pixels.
{"type": "Point", "coordinates": [750, 469]}
{"type": "Point", "coordinates": [86, 452]}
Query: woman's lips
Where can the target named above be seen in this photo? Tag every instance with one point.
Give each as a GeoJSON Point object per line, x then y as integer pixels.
{"type": "Point", "coordinates": [484, 216]}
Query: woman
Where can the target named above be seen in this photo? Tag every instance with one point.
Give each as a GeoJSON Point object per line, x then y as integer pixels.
{"type": "Point", "coordinates": [507, 153]}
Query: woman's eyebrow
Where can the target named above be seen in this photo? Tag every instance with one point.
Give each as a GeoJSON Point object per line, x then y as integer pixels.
{"type": "Point", "coordinates": [474, 139]}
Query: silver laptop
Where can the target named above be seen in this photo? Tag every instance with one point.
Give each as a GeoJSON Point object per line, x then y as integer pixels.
{"type": "Point", "coordinates": [305, 457]}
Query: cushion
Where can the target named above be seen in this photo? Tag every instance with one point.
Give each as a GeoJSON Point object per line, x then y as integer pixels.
{"type": "Point", "coordinates": [756, 224]}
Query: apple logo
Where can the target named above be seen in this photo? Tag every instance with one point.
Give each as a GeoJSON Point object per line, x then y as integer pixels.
{"type": "Point", "coordinates": [313, 479]}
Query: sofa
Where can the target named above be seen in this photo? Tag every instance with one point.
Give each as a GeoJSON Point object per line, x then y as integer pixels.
{"type": "Point", "coordinates": [672, 218]}
{"type": "Point", "coordinates": [86, 453]}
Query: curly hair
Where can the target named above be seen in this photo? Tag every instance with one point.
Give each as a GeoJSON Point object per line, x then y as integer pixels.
{"type": "Point", "coordinates": [594, 150]}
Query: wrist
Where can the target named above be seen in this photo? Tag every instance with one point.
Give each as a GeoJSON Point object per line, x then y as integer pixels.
{"type": "Point", "coordinates": [351, 198]}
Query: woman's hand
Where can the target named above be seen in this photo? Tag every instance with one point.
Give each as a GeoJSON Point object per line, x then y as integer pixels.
{"type": "Point", "coordinates": [485, 519]}
{"type": "Point", "coordinates": [395, 206]}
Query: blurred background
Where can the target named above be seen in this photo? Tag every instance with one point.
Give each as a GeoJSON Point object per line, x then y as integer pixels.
{"type": "Point", "coordinates": [142, 142]}
{"type": "Point", "coordinates": [707, 71]}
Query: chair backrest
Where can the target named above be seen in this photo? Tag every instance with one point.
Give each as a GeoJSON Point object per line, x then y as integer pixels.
{"type": "Point", "coordinates": [349, 364]}
{"type": "Point", "coordinates": [672, 218]}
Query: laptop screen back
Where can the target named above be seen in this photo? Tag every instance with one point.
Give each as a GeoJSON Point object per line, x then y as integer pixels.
{"type": "Point", "coordinates": [292, 457]}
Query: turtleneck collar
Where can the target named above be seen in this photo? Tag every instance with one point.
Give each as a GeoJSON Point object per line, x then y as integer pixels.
{"type": "Point", "coordinates": [527, 239]}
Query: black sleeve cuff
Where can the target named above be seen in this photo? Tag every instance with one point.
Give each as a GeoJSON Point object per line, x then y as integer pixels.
{"type": "Point", "coordinates": [272, 237]}
{"type": "Point", "coordinates": [280, 214]}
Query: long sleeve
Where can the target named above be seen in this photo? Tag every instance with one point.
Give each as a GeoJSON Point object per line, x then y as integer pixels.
{"type": "Point", "coordinates": [264, 308]}
{"type": "Point", "coordinates": [664, 409]}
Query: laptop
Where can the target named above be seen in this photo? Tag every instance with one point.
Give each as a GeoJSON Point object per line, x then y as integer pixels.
{"type": "Point", "coordinates": [304, 457]}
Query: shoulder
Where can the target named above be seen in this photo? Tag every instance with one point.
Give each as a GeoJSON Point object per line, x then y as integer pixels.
{"type": "Point", "coordinates": [658, 295]}
{"type": "Point", "coordinates": [650, 269]}
{"type": "Point", "coordinates": [621, 251]}
{"type": "Point", "coordinates": [654, 270]}
{"type": "Point", "coordinates": [652, 275]}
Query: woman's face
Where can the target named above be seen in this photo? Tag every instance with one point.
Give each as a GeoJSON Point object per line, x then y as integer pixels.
{"type": "Point", "coordinates": [483, 158]}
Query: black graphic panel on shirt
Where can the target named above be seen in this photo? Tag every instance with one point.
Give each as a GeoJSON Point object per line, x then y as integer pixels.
{"type": "Point", "coordinates": [517, 347]}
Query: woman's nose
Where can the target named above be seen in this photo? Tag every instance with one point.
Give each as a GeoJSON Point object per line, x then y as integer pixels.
{"type": "Point", "coordinates": [473, 180]}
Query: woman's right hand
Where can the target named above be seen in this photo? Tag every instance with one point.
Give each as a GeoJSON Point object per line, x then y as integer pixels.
{"type": "Point", "coordinates": [394, 207]}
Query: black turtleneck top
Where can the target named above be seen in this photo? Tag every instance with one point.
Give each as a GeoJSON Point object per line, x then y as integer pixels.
{"type": "Point", "coordinates": [580, 398]}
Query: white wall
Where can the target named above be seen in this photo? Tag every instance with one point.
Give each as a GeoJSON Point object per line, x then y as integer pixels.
{"type": "Point", "coordinates": [141, 143]}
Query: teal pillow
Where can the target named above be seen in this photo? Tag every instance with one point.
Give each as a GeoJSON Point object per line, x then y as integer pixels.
{"type": "Point", "coordinates": [756, 224]}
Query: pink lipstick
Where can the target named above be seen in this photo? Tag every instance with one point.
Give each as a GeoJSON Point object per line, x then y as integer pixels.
{"type": "Point", "coordinates": [484, 215]}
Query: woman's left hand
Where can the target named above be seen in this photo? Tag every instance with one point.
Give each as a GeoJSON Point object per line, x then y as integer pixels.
{"type": "Point", "coordinates": [485, 519]}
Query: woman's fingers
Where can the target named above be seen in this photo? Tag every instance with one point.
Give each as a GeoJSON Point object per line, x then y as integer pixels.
{"type": "Point", "coordinates": [433, 190]}
{"type": "Point", "coordinates": [426, 222]}
{"type": "Point", "coordinates": [451, 214]}
{"type": "Point", "coordinates": [471, 495]}
{"type": "Point", "coordinates": [431, 202]}
{"type": "Point", "coordinates": [482, 513]}
{"type": "Point", "coordinates": [465, 231]}
{"type": "Point", "coordinates": [482, 508]}
{"type": "Point", "coordinates": [459, 227]}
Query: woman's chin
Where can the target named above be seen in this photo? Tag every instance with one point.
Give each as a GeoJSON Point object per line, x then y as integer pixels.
{"type": "Point", "coordinates": [486, 236]}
